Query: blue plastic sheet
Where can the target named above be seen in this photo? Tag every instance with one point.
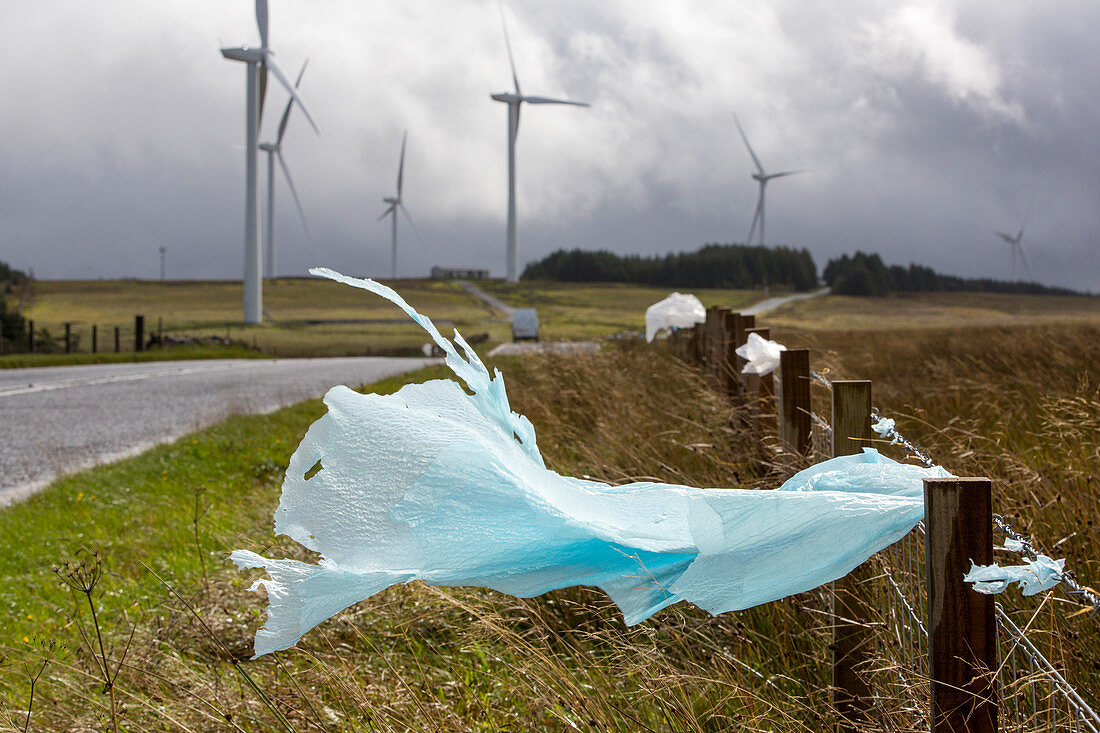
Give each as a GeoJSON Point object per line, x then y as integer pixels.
{"type": "Point", "coordinates": [447, 486]}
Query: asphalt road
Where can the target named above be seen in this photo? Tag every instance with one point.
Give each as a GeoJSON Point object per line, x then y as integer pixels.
{"type": "Point", "coordinates": [766, 306]}
{"type": "Point", "coordinates": [55, 420]}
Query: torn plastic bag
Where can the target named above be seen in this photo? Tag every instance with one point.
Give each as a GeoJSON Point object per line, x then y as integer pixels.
{"type": "Point", "coordinates": [436, 484]}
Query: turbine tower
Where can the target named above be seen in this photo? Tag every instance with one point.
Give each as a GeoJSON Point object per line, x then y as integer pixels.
{"type": "Point", "coordinates": [258, 61]}
{"type": "Point", "coordinates": [275, 152]}
{"type": "Point", "coordinates": [762, 177]}
{"type": "Point", "coordinates": [514, 100]}
{"type": "Point", "coordinates": [395, 203]}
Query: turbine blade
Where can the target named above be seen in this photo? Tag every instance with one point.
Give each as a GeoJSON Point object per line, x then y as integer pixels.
{"type": "Point", "coordinates": [548, 100]}
{"type": "Point", "coordinates": [387, 212]}
{"type": "Point", "coordinates": [411, 224]}
{"type": "Point", "coordinates": [261, 21]}
{"type": "Point", "coordinates": [759, 168]}
{"type": "Point", "coordinates": [508, 45]}
{"type": "Point", "coordinates": [515, 127]}
{"type": "Point", "coordinates": [784, 173]}
{"type": "Point", "coordinates": [294, 193]}
{"type": "Point", "coordinates": [1023, 259]}
{"type": "Point", "coordinates": [401, 165]}
{"type": "Point", "coordinates": [289, 104]}
{"type": "Point", "coordinates": [1007, 237]}
{"type": "Point", "coordinates": [268, 57]}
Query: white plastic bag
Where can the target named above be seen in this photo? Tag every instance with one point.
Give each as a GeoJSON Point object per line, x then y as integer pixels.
{"type": "Point", "coordinates": [762, 355]}
{"type": "Point", "coordinates": [676, 311]}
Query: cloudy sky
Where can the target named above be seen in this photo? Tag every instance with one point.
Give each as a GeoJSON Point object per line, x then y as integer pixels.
{"type": "Point", "coordinates": [923, 127]}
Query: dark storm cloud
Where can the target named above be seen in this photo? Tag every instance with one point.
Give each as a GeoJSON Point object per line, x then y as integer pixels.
{"type": "Point", "coordinates": [923, 126]}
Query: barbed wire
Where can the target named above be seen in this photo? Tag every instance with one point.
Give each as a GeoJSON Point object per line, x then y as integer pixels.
{"type": "Point", "coordinates": [821, 379]}
{"type": "Point", "coordinates": [821, 423]}
{"type": "Point", "coordinates": [1069, 578]}
{"type": "Point", "coordinates": [897, 438]}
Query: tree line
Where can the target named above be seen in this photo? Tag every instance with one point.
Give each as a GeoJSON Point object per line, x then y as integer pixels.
{"type": "Point", "coordinates": [712, 266]}
{"type": "Point", "coordinates": [12, 325]}
{"type": "Point", "coordinates": [866, 274]}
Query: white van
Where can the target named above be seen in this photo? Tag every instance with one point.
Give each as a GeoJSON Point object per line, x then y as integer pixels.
{"type": "Point", "coordinates": [525, 324]}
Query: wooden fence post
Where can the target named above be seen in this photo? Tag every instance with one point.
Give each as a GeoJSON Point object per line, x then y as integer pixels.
{"type": "Point", "coordinates": [962, 634]}
{"type": "Point", "coordinates": [139, 333]}
{"type": "Point", "coordinates": [118, 342]}
{"type": "Point", "coordinates": [852, 638]}
{"type": "Point", "coordinates": [731, 379]}
{"type": "Point", "coordinates": [68, 338]}
{"type": "Point", "coordinates": [698, 345]}
{"type": "Point", "coordinates": [716, 341]}
{"type": "Point", "coordinates": [734, 384]}
{"type": "Point", "coordinates": [95, 339]}
{"type": "Point", "coordinates": [794, 400]}
{"type": "Point", "coordinates": [32, 342]}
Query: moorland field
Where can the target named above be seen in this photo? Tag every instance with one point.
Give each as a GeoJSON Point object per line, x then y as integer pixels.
{"type": "Point", "coordinates": [1002, 386]}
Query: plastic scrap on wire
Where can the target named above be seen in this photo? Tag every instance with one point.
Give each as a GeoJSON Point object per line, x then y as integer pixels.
{"type": "Point", "coordinates": [884, 427]}
{"type": "Point", "coordinates": [444, 483]}
{"type": "Point", "coordinates": [1036, 575]}
{"type": "Point", "coordinates": [678, 310]}
{"type": "Point", "coordinates": [762, 354]}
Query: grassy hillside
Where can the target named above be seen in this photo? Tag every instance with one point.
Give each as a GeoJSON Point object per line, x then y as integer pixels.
{"type": "Point", "coordinates": [314, 317]}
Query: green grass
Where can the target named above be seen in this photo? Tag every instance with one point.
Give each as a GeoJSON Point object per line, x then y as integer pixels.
{"type": "Point", "coordinates": [412, 657]}
{"type": "Point", "coordinates": [141, 509]}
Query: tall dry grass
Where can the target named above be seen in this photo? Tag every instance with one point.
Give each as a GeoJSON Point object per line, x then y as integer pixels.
{"type": "Point", "coordinates": [1020, 406]}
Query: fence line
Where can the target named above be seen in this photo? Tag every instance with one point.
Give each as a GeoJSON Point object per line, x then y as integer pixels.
{"type": "Point", "coordinates": [1032, 690]}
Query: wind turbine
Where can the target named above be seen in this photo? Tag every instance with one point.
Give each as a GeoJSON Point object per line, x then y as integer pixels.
{"type": "Point", "coordinates": [1017, 249]}
{"type": "Point", "coordinates": [514, 100]}
{"type": "Point", "coordinates": [275, 151]}
{"type": "Point", "coordinates": [395, 203]}
{"type": "Point", "coordinates": [763, 177]}
{"type": "Point", "coordinates": [257, 63]}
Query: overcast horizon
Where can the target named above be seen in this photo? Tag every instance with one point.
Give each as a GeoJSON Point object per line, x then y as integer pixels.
{"type": "Point", "coordinates": [922, 128]}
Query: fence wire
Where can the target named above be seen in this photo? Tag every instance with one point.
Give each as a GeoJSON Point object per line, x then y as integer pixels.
{"type": "Point", "coordinates": [1035, 697]}
{"type": "Point", "coordinates": [1033, 694]}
